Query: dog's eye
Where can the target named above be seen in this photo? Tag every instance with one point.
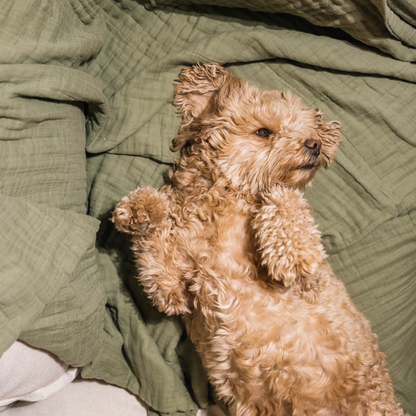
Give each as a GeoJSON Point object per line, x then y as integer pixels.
{"type": "Point", "coordinates": [263, 133]}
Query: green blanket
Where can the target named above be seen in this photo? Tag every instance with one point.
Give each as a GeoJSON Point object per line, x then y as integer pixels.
{"type": "Point", "coordinates": [86, 116]}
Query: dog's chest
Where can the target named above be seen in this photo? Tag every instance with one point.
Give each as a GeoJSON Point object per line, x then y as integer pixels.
{"type": "Point", "coordinates": [222, 253]}
{"type": "Point", "coordinates": [229, 239]}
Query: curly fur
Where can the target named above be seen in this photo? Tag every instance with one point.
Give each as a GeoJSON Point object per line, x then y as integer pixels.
{"type": "Point", "coordinates": [231, 245]}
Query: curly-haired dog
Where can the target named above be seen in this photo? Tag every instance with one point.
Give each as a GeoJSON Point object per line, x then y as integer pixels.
{"type": "Point", "coordinates": [231, 245]}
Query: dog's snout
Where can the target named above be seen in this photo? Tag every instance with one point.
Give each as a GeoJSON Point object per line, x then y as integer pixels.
{"type": "Point", "coordinates": [313, 146]}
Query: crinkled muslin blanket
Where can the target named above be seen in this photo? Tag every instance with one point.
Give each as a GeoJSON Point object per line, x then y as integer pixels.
{"type": "Point", "coordinates": [86, 116]}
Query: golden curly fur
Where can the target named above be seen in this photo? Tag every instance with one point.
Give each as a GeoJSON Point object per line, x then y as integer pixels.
{"type": "Point", "coordinates": [231, 245]}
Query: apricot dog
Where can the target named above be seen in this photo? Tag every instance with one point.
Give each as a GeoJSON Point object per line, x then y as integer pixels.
{"type": "Point", "coordinates": [231, 245]}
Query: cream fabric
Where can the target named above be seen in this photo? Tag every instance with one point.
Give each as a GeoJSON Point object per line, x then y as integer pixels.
{"type": "Point", "coordinates": [29, 374]}
{"type": "Point", "coordinates": [42, 385]}
{"type": "Point", "coordinates": [83, 398]}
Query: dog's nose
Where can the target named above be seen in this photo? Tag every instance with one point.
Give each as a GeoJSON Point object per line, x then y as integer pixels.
{"type": "Point", "coordinates": [313, 146]}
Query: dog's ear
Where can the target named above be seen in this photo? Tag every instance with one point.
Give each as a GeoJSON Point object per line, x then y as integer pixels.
{"type": "Point", "coordinates": [195, 87]}
{"type": "Point", "coordinates": [329, 134]}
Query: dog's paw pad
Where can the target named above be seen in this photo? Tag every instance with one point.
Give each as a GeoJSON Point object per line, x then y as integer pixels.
{"type": "Point", "coordinates": [135, 225]}
{"type": "Point", "coordinates": [141, 212]}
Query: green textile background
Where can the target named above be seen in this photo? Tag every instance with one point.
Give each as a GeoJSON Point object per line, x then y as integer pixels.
{"type": "Point", "coordinates": [86, 117]}
{"type": "Point", "coordinates": [385, 24]}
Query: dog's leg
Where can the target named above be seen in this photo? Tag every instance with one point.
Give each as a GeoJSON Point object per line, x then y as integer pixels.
{"type": "Point", "coordinates": [144, 213]}
{"type": "Point", "coordinates": [289, 241]}
{"type": "Point", "coordinates": [162, 272]}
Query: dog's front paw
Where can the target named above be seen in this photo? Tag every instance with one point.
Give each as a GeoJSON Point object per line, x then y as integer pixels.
{"type": "Point", "coordinates": [142, 212]}
{"type": "Point", "coordinates": [289, 241]}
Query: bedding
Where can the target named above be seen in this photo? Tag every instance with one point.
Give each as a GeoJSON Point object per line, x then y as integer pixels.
{"type": "Point", "coordinates": [86, 116]}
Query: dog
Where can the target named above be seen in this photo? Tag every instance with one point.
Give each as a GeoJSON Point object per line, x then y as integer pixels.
{"type": "Point", "coordinates": [230, 243]}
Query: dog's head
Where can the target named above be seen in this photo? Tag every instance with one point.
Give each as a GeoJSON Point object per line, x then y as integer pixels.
{"type": "Point", "coordinates": [256, 139]}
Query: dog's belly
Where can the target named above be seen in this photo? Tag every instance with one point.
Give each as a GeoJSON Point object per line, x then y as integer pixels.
{"type": "Point", "coordinates": [261, 342]}
{"type": "Point", "coordinates": [265, 342]}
